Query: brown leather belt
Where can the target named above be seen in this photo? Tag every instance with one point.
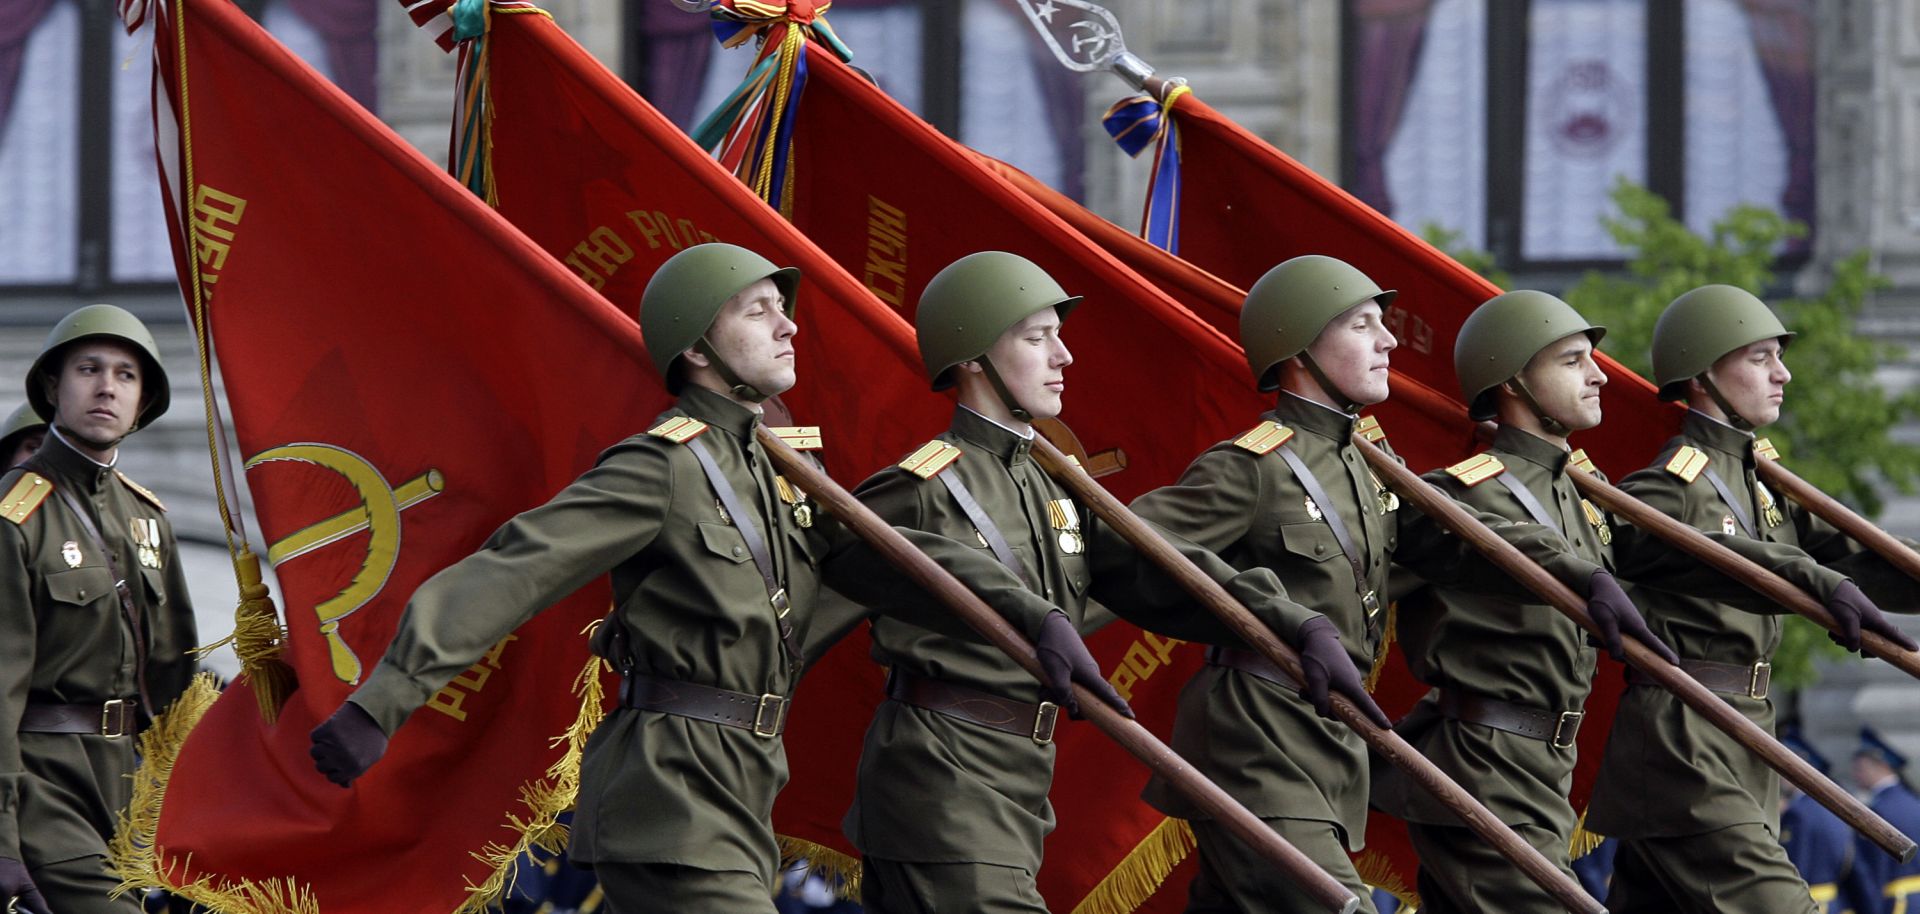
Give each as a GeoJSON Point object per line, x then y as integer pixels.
{"type": "Point", "coordinates": [113, 718]}
{"type": "Point", "coordinates": [1251, 664]}
{"type": "Point", "coordinates": [1753, 680]}
{"type": "Point", "coordinates": [1556, 728]}
{"type": "Point", "coordinates": [765, 716]}
{"type": "Point", "coordinates": [959, 702]}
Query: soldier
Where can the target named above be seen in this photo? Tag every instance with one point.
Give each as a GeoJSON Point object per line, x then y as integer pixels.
{"type": "Point", "coordinates": [1696, 812]}
{"type": "Point", "coordinates": [964, 724]}
{"type": "Point", "coordinates": [1293, 494]}
{"type": "Point", "coordinates": [1818, 842]}
{"type": "Point", "coordinates": [95, 620]}
{"type": "Point", "coordinates": [22, 434]}
{"type": "Point", "coordinates": [714, 562]}
{"type": "Point", "coordinates": [1880, 884]}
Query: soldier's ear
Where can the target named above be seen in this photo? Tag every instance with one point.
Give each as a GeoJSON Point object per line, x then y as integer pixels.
{"type": "Point", "coordinates": [693, 356]}
{"type": "Point", "coordinates": [972, 366]}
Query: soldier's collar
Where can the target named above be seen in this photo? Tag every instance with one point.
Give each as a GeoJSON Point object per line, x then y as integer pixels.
{"type": "Point", "coordinates": [1706, 431]}
{"type": "Point", "coordinates": [719, 411]}
{"type": "Point", "coordinates": [1295, 411]}
{"type": "Point", "coordinates": [60, 459]}
{"type": "Point", "coordinates": [986, 434]}
{"type": "Point", "coordinates": [1518, 442]}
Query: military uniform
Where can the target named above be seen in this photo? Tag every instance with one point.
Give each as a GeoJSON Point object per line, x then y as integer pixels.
{"type": "Point", "coordinates": [1878, 883]}
{"type": "Point", "coordinates": [1821, 847]}
{"type": "Point", "coordinates": [74, 666]}
{"type": "Point", "coordinates": [1260, 740]}
{"type": "Point", "coordinates": [979, 847]}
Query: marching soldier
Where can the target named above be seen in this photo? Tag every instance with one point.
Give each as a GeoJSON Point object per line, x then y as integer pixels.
{"type": "Point", "coordinates": [1880, 884]}
{"type": "Point", "coordinates": [714, 562]}
{"type": "Point", "coordinates": [1293, 494]}
{"type": "Point", "coordinates": [1698, 814]}
{"type": "Point", "coordinates": [1818, 842]}
{"type": "Point", "coordinates": [95, 620]}
{"type": "Point", "coordinates": [951, 805]}
{"type": "Point", "coordinates": [20, 436]}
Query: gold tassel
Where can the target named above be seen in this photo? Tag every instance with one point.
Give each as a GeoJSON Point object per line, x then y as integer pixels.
{"type": "Point", "coordinates": [1375, 870]}
{"type": "Point", "coordinates": [1142, 871]}
{"type": "Point", "coordinates": [546, 799]}
{"type": "Point", "coordinates": [132, 851]}
{"type": "Point", "coordinates": [258, 639]}
{"type": "Point", "coordinates": [839, 870]}
{"type": "Point", "coordinates": [1583, 842]}
{"type": "Point", "coordinates": [1387, 634]}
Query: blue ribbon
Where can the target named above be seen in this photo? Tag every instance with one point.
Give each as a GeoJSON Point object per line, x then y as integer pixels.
{"type": "Point", "coordinates": [1136, 123]}
{"type": "Point", "coordinates": [469, 19]}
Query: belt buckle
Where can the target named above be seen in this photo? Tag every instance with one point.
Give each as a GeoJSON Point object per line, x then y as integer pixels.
{"type": "Point", "coordinates": [113, 718]}
{"type": "Point", "coordinates": [1044, 719]}
{"type": "Point", "coordinates": [761, 726]}
{"type": "Point", "coordinates": [1371, 601]}
{"type": "Point", "coordinates": [781, 605]}
{"type": "Point", "coordinates": [1760, 680]}
{"type": "Point", "coordinates": [1566, 727]}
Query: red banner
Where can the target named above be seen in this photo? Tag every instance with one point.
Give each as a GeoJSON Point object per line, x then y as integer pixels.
{"type": "Point", "coordinates": [397, 359]}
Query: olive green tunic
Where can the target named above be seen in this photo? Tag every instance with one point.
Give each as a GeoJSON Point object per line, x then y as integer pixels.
{"type": "Point", "coordinates": [655, 788]}
{"type": "Point", "coordinates": [933, 789]}
{"type": "Point", "coordinates": [65, 639]}
{"type": "Point", "coordinates": [1260, 742]}
{"type": "Point", "coordinates": [1668, 772]}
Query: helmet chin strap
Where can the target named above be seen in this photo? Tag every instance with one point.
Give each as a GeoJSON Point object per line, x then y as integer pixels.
{"type": "Point", "coordinates": [739, 388]}
{"type": "Point", "coordinates": [1733, 415]}
{"type": "Point", "coordinates": [1548, 423]}
{"type": "Point", "coordinates": [1000, 387]}
{"type": "Point", "coordinates": [1348, 404]}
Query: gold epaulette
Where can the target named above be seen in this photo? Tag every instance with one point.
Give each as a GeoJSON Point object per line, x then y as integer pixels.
{"type": "Point", "coordinates": [25, 497]}
{"type": "Point", "coordinates": [679, 429]}
{"type": "Point", "coordinates": [1580, 461]}
{"type": "Point", "coordinates": [798, 437]}
{"type": "Point", "coordinates": [1477, 469]}
{"type": "Point", "coordinates": [1687, 462]}
{"type": "Point", "coordinates": [1369, 428]}
{"type": "Point", "coordinates": [141, 491]}
{"type": "Point", "coordinates": [1763, 449]}
{"type": "Point", "coordinates": [930, 459]}
{"type": "Point", "coordinates": [1265, 438]}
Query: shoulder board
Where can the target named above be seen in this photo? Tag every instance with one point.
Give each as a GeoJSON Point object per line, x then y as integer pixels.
{"type": "Point", "coordinates": [930, 459]}
{"type": "Point", "coordinates": [798, 437]}
{"type": "Point", "coordinates": [141, 491]}
{"type": "Point", "coordinates": [1369, 428]}
{"type": "Point", "coordinates": [1687, 463]}
{"type": "Point", "coordinates": [679, 429]}
{"type": "Point", "coordinates": [1763, 449]}
{"type": "Point", "coordinates": [1580, 461]}
{"type": "Point", "coordinates": [1264, 438]}
{"type": "Point", "coordinates": [25, 497]}
{"type": "Point", "coordinates": [1477, 469]}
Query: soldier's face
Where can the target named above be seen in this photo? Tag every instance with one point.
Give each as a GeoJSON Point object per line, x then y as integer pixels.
{"type": "Point", "coordinates": [755, 337]}
{"type": "Point", "coordinates": [1566, 381]}
{"type": "Point", "coordinates": [24, 448]}
{"type": "Point", "coordinates": [97, 396]}
{"type": "Point", "coordinates": [1754, 381]}
{"type": "Point", "coordinates": [1032, 361]}
{"type": "Point", "coordinates": [1352, 352]}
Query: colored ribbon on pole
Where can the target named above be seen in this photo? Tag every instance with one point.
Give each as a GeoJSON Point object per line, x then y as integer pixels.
{"type": "Point", "coordinates": [752, 130]}
{"type": "Point", "coordinates": [1135, 123]}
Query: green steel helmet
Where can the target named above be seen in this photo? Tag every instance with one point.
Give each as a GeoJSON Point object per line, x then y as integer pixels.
{"type": "Point", "coordinates": [1287, 308]}
{"type": "Point", "coordinates": [684, 297]}
{"type": "Point", "coordinates": [108, 322]}
{"type": "Point", "coordinates": [975, 299]}
{"type": "Point", "coordinates": [1703, 325]}
{"type": "Point", "coordinates": [22, 421]}
{"type": "Point", "coordinates": [1502, 335]}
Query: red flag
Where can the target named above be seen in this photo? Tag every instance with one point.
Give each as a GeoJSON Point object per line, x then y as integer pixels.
{"type": "Point", "coordinates": [396, 358]}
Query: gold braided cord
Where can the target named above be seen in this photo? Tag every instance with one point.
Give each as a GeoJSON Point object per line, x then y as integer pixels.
{"type": "Point", "coordinates": [1583, 842]}
{"type": "Point", "coordinates": [1142, 871]}
{"type": "Point", "coordinates": [1377, 871]}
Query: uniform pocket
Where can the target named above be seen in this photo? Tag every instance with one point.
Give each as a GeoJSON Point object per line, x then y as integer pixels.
{"type": "Point", "coordinates": [1314, 541]}
{"type": "Point", "coordinates": [725, 541]}
{"type": "Point", "coordinates": [79, 586]}
{"type": "Point", "coordinates": [156, 588]}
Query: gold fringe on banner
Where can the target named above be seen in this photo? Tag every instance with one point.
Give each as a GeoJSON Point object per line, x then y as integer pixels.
{"type": "Point", "coordinates": [838, 869]}
{"type": "Point", "coordinates": [1583, 842]}
{"type": "Point", "coordinates": [1388, 633]}
{"type": "Point", "coordinates": [1376, 871]}
{"type": "Point", "coordinates": [1142, 871]}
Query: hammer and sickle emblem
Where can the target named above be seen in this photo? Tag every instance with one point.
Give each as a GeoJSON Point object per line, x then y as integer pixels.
{"type": "Point", "coordinates": [378, 512]}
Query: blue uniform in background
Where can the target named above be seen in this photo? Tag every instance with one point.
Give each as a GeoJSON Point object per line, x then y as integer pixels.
{"type": "Point", "coordinates": [1881, 884]}
{"type": "Point", "coordinates": [1822, 846]}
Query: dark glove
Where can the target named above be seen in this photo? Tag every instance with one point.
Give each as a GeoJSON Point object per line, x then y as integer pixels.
{"type": "Point", "coordinates": [1615, 616]}
{"type": "Point", "coordinates": [1064, 660]}
{"type": "Point", "coordinates": [1324, 662]}
{"type": "Point", "coordinates": [1855, 614]}
{"type": "Point", "coordinates": [347, 744]}
{"type": "Point", "coordinates": [17, 888]}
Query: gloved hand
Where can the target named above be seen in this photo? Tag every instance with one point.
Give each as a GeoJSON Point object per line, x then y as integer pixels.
{"type": "Point", "coordinates": [1856, 614]}
{"type": "Point", "coordinates": [17, 888]}
{"type": "Point", "coordinates": [347, 744]}
{"type": "Point", "coordinates": [1064, 660]}
{"type": "Point", "coordinates": [1617, 616]}
{"type": "Point", "coordinates": [1328, 669]}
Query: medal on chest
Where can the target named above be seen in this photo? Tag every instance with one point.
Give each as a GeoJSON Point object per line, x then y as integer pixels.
{"type": "Point", "coordinates": [146, 540]}
{"type": "Point", "coordinates": [1597, 521]}
{"type": "Point", "coordinates": [1769, 508]}
{"type": "Point", "coordinates": [796, 501]}
{"type": "Point", "coordinates": [70, 551]}
{"type": "Point", "coordinates": [1065, 519]}
{"type": "Point", "coordinates": [1389, 501]}
{"type": "Point", "coordinates": [1313, 509]}
{"type": "Point", "coordinates": [1727, 526]}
